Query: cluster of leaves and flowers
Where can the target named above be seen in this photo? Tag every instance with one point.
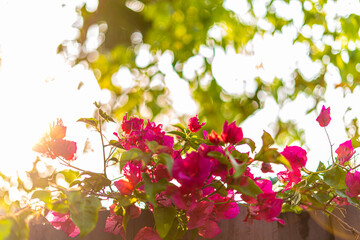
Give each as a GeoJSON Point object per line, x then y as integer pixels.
{"type": "Point", "coordinates": [190, 181]}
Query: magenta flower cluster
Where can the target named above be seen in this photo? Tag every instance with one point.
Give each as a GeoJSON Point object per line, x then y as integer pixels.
{"type": "Point", "coordinates": [205, 181]}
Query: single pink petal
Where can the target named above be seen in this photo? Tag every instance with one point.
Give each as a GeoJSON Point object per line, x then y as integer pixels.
{"type": "Point", "coordinates": [296, 157]}
{"type": "Point", "coordinates": [231, 133]}
{"type": "Point", "coordinates": [147, 233]}
{"type": "Point", "coordinates": [324, 117]}
{"type": "Point", "coordinates": [344, 152]}
{"type": "Point", "coordinates": [209, 230]}
{"type": "Point", "coordinates": [199, 214]}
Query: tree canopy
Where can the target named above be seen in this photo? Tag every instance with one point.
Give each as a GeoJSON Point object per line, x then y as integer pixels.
{"type": "Point", "coordinates": [185, 29]}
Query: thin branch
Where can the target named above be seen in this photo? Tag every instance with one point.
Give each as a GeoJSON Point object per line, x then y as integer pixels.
{"type": "Point", "coordinates": [331, 146]}
{"type": "Point", "coordinates": [344, 224]}
{"type": "Point", "coordinates": [102, 142]}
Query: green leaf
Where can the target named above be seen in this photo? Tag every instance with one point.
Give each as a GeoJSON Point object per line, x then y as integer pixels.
{"type": "Point", "coordinates": [90, 121]}
{"type": "Point", "coordinates": [116, 143]}
{"type": "Point", "coordinates": [83, 211]}
{"type": "Point", "coordinates": [180, 126]}
{"type": "Point", "coordinates": [239, 169]}
{"type": "Point", "coordinates": [221, 158]}
{"type": "Point", "coordinates": [321, 167]}
{"type": "Point", "coordinates": [322, 197]}
{"type": "Point", "coordinates": [164, 218]}
{"type": "Point", "coordinates": [42, 195]}
{"type": "Point", "coordinates": [219, 187]}
{"type": "Point", "coordinates": [105, 116]}
{"type": "Point", "coordinates": [6, 225]}
{"type": "Point", "coordinates": [180, 134]}
{"type": "Point", "coordinates": [250, 189]}
{"type": "Point", "coordinates": [176, 231]}
{"type": "Point", "coordinates": [70, 175]}
{"type": "Point", "coordinates": [132, 154]}
{"type": "Point", "coordinates": [153, 188]}
{"type": "Point", "coordinates": [335, 178]}
{"type": "Point", "coordinates": [167, 160]}
{"type": "Point", "coordinates": [154, 146]}
{"type": "Point", "coordinates": [126, 200]}
{"type": "Point", "coordinates": [249, 142]}
{"type": "Point", "coordinates": [355, 142]}
{"type": "Point", "coordinates": [273, 156]}
{"type": "Point", "coordinates": [267, 140]}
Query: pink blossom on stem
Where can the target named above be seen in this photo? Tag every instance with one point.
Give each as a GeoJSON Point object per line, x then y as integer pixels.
{"type": "Point", "coordinates": [133, 124]}
{"type": "Point", "coordinates": [324, 117]}
{"type": "Point", "coordinates": [194, 124]}
{"type": "Point", "coordinates": [291, 177]}
{"type": "Point", "coordinates": [192, 171]}
{"type": "Point", "coordinates": [231, 133]}
{"type": "Point", "coordinates": [296, 157]}
{"type": "Point", "coordinates": [344, 152]}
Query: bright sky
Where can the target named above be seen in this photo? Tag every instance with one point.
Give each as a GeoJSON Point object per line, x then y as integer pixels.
{"type": "Point", "coordinates": [37, 85]}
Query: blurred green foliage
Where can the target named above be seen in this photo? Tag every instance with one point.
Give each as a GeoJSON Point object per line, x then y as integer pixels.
{"type": "Point", "coordinates": [182, 27]}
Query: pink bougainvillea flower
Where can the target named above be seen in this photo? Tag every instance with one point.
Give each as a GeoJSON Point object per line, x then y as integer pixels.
{"type": "Point", "coordinates": [63, 148]}
{"type": "Point", "coordinates": [352, 182]}
{"type": "Point", "coordinates": [291, 177]}
{"type": "Point", "coordinates": [147, 233]}
{"type": "Point", "coordinates": [135, 135]}
{"type": "Point", "coordinates": [231, 133]}
{"type": "Point", "coordinates": [267, 208]}
{"type": "Point", "coordinates": [62, 221]}
{"type": "Point", "coordinates": [132, 172]}
{"type": "Point", "coordinates": [214, 138]}
{"type": "Point", "coordinates": [52, 145]}
{"type": "Point", "coordinates": [132, 124]}
{"type": "Point", "coordinates": [183, 197]}
{"type": "Point", "coordinates": [124, 186]}
{"type": "Point", "coordinates": [161, 171]}
{"type": "Point", "coordinates": [344, 152]}
{"type": "Point", "coordinates": [296, 157]}
{"type": "Point", "coordinates": [225, 207]}
{"type": "Point", "coordinates": [324, 117]}
{"type": "Point", "coordinates": [194, 124]}
{"type": "Point", "coordinates": [217, 169]}
{"type": "Point", "coordinates": [114, 225]}
{"type": "Point", "coordinates": [209, 230]}
{"type": "Point", "coordinates": [199, 213]}
{"type": "Point", "coordinates": [57, 130]}
{"type": "Point", "coordinates": [192, 171]}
